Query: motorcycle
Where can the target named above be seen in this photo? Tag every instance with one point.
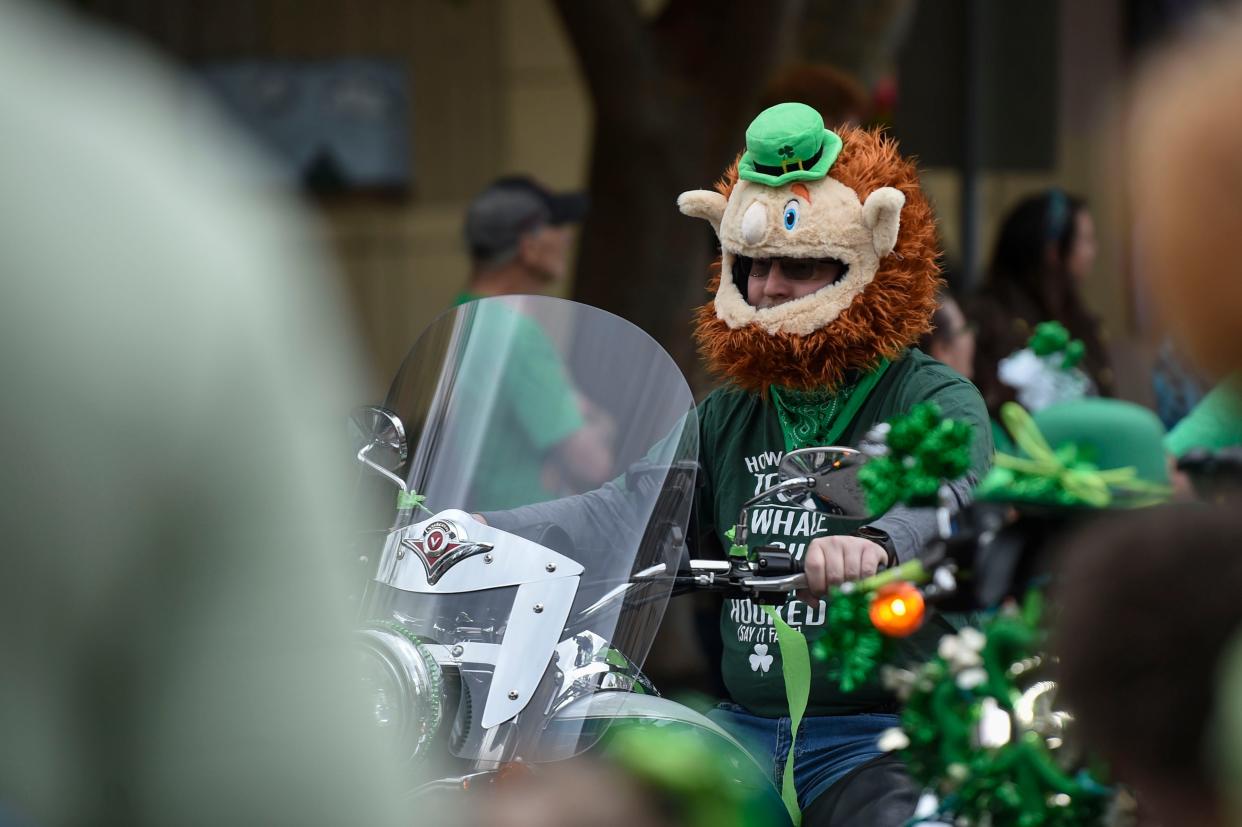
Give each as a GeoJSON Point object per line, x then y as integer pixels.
{"type": "Point", "coordinates": [511, 609]}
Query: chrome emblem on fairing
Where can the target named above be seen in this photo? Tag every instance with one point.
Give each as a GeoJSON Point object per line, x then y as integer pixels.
{"type": "Point", "coordinates": [443, 545]}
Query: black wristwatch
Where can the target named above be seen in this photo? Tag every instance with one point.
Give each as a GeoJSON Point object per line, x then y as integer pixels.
{"type": "Point", "coordinates": [880, 538]}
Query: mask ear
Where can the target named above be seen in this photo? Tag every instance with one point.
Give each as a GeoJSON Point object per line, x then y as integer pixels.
{"type": "Point", "coordinates": [882, 215]}
{"type": "Point", "coordinates": [707, 204]}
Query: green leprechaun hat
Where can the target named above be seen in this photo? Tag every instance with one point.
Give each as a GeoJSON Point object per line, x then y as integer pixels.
{"type": "Point", "coordinates": [1088, 453]}
{"type": "Point", "coordinates": [786, 143]}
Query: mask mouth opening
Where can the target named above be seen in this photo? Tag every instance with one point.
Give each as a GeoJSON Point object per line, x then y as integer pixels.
{"type": "Point", "coordinates": [796, 269]}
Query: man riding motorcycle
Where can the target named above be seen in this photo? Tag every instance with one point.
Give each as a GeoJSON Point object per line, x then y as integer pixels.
{"type": "Point", "coordinates": [826, 279]}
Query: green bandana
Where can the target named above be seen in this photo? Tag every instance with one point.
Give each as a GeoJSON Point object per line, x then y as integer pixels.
{"type": "Point", "coordinates": [818, 418]}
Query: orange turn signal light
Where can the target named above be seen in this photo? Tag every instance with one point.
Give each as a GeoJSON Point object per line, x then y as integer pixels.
{"type": "Point", "coordinates": [897, 609]}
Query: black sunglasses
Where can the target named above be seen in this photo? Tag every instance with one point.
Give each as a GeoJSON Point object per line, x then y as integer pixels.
{"type": "Point", "coordinates": [794, 269]}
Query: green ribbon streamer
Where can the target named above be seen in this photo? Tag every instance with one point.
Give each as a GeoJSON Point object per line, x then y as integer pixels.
{"type": "Point", "coordinates": [734, 549]}
{"type": "Point", "coordinates": [796, 661]}
{"type": "Point", "coordinates": [1064, 476]}
{"type": "Point", "coordinates": [819, 418]}
{"type": "Point", "coordinates": [796, 670]}
{"type": "Point", "coordinates": [410, 499]}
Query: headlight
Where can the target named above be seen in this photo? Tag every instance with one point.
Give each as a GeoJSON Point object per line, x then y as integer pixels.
{"type": "Point", "coordinates": [402, 683]}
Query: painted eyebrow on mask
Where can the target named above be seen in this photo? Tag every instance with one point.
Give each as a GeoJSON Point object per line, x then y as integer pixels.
{"type": "Point", "coordinates": [802, 192]}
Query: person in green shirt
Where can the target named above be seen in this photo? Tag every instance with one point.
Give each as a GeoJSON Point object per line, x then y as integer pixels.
{"type": "Point", "coordinates": [828, 277]}
{"type": "Point", "coordinates": [549, 438]}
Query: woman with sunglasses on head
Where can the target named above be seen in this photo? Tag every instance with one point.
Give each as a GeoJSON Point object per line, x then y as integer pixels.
{"type": "Point", "coordinates": [1046, 247]}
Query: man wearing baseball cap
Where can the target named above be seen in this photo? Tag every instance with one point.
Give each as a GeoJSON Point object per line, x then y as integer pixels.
{"type": "Point", "coordinates": [518, 233]}
{"type": "Point", "coordinates": [554, 438]}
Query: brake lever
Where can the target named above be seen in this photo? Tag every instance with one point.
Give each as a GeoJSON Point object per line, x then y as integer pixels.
{"type": "Point", "coordinates": [785, 583]}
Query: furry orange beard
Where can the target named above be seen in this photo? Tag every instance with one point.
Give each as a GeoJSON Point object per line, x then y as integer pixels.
{"type": "Point", "coordinates": [890, 315]}
{"type": "Point", "coordinates": [863, 334]}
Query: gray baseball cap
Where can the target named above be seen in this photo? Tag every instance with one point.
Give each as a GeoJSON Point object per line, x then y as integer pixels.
{"type": "Point", "coordinates": [510, 207]}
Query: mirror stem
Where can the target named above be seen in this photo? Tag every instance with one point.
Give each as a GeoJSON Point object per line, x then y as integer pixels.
{"type": "Point", "coordinates": [370, 463]}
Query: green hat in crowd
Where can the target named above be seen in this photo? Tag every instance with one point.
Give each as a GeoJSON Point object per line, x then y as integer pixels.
{"type": "Point", "coordinates": [1088, 453]}
{"type": "Point", "coordinates": [786, 143]}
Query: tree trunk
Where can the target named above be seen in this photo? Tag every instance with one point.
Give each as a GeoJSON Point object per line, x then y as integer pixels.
{"type": "Point", "coordinates": [672, 98]}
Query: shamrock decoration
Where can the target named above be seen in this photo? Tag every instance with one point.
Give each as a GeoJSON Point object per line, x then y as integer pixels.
{"type": "Point", "coordinates": [912, 455]}
{"type": "Point", "coordinates": [786, 151]}
{"type": "Point", "coordinates": [760, 660]}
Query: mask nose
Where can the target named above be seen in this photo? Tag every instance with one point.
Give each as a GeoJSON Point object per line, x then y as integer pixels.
{"type": "Point", "coordinates": [754, 224]}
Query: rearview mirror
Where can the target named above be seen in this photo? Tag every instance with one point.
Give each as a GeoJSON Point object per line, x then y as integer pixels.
{"type": "Point", "coordinates": [381, 436]}
{"type": "Point", "coordinates": [831, 475]}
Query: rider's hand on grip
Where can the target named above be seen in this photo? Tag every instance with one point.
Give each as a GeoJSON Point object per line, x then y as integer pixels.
{"type": "Point", "coordinates": [831, 561]}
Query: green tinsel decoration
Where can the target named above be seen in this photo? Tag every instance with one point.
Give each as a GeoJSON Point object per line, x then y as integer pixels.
{"type": "Point", "coordinates": [923, 449]}
{"type": "Point", "coordinates": [1052, 337]}
{"type": "Point", "coordinates": [1014, 783]}
{"type": "Point", "coordinates": [851, 646]}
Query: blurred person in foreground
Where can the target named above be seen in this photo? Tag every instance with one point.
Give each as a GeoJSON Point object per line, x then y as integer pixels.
{"type": "Point", "coordinates": [951, 340]}
{"type": "Point", "coordinates": [1185, 199]}
{"type": "Point", "coordinates": [173, 620]}
{"type": "Point", "coordinates": [1186, 206]}
{"type": "Point", "coordinates": [1143, 632]}
{"type": "Point", "coordinates": [1045, 249]}
{"type": "Point", "coordinates": [646, 775]}
{"type": "Point", "coordinates": [519, 234]}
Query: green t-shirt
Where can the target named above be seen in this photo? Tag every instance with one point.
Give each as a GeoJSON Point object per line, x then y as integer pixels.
{"type": "Point", "coordinates": [515, 376]}
{"type": "Point", "coordinates": [1214, 423]}
{"type": "Point", "coordinates": [742, 444]}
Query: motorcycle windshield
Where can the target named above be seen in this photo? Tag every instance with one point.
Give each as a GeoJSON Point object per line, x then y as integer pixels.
{"type": "Point", "coordinates": [573, 434]}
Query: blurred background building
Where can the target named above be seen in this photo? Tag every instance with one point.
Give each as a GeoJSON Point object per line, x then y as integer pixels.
{"type": "Point", "coordinates": [391, 114]}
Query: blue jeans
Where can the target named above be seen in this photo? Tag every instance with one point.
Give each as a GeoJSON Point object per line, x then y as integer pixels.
{"type": "Point", "coordinates": [828, 746]}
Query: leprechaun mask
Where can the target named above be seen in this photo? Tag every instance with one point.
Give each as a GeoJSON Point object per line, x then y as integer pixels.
{"type": "Point", "coordinates": [816, 195]}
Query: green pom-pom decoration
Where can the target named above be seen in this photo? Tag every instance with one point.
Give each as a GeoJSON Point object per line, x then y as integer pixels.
{"type": "Point", "coordinates": [881, 478]}
{"type": "Point", "coordinates": [924, 449]}
{"type": "Point", "coordinates": [1051, 338]}
{"type": "Point", "coordinates": [1074, 352]}
{"type": "Point", "coordinates": [1048, 338]}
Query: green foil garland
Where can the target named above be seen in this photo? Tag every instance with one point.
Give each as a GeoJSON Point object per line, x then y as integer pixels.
{"type": "Point", "coordinates": [1015, 784]}
{"type": "Point", "coordinates": [851, 646]}
{"type": "Point", "coordinates": [922, 449]}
